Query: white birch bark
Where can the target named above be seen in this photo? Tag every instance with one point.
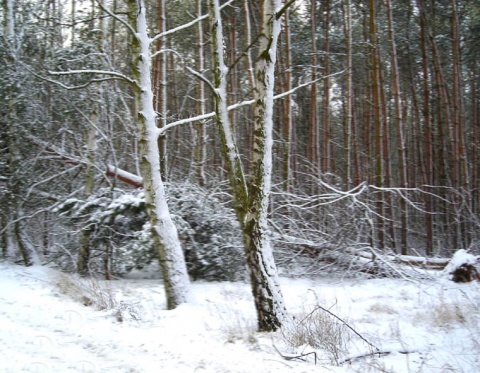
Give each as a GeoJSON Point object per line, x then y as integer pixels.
{"type": "Point", "coordinates": [251, 202]}
{"type": "Point", "coordinates": [164, 232]}
{"type": "Point", "coordinates": [265, 283]}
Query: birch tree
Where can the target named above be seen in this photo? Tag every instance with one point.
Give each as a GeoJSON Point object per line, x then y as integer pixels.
{"type": "Point", "coordinates": [251, 198]}
{"type": "Point", "coordinates": [164, 232]}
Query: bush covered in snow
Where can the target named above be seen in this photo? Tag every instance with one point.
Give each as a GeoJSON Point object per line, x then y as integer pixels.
{"type": "Point", "coordinates": [210, 231]}
{"type": "Point", "coordinates": [464, 267]}
{"type": "Point", "coordinates": [121, 240]}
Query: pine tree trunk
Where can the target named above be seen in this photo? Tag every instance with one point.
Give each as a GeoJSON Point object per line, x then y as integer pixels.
{"type": "Point", "coordinates": [200, 133]}
{"type": "Point", "coordinates": [398, 123]}
{"type": "Point", "coordinates": [313, 154]}
{"type": "Point", "coordinates": [160, 84]}
{"type": "Point", "coordinates": [88, 188]}
{"type": "Point", "coordinates": [427, 130]}
{"type": "Point", "coordinates": [327, 158]}
{"type": "Point", "coordinates": [288, 118]}
{"type": "Point", "coordinates": [378, 124]}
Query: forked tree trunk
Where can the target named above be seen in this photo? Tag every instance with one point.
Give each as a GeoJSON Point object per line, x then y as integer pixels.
{"type": "Point", "coordinates": [164, 232]}
{"type": "Point", "coordinates": [251, 203]}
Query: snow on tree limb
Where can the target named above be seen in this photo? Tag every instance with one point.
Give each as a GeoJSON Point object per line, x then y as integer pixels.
{"type": "Point", "coordinates": [111, 170]}
{"type": "Point", "coordinates": [112, 74]}
{"type": "Point", "coordinates": [125, 176]}
{"type": "Point", "coordinates": [119, 19]}
{"type": "Point", "coordinates": [186, 25]}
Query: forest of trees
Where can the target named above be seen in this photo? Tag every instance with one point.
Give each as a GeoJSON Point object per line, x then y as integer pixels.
{"type": "Point", "coordinates": [317, 125]}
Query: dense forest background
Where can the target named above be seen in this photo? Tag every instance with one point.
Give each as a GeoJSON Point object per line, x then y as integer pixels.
{"type": "Point", "coordinates": [376, 138]}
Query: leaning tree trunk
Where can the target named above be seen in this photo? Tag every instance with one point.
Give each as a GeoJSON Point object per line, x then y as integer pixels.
{"type": "Point", "coordinates": [164, 232]}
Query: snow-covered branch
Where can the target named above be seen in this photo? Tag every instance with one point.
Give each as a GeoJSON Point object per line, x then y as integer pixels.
{"type": "Point", "coordinates": [166, 50]}
{"type": "Point", "coordinates": [119, 19]}
{"type": "Point", "coordinates": [201, 77]}
{"type": "Point", "coordinates": [230, 107]}
{"type": "Point", "coordinates": [112, 74]}
{"type": "Point", "coordinates": [125, 176]}
{"type": "Point", "coordinates": [289, 92]}
{"type": "Point", "coordinates": [185, 25]}
{"type": "Point", "coordinates": [111, 170]}
{"type": "Point", "coordinates": [197, 118]}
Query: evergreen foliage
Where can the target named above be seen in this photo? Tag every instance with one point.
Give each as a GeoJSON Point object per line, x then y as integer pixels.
{"type": "Point", "coordinates": [122, 233]}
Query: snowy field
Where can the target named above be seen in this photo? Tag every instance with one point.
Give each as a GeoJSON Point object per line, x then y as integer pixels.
{"type": "Point", "coordinates": [51, 322]}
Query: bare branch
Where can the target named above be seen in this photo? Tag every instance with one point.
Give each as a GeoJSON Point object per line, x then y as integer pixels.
{"type": "Point", "coordinates": [121, 20]}
{"type": "Point", "coordinates": [186, 25]}
{"type": "Point", "coordinates": [201, 77]}
{"type": "Point", "coordinates": [283, 94]}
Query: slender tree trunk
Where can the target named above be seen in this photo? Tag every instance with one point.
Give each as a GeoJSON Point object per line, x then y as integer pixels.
{"type": "Point", "coordinates": [73, 20]}
{"type": "Point", "coordinates": [399, 125]}
{"type": "Point", "coordinates": [349, 120]}
{"type": "Point", "coordinates": [327, 158]}
{"type": "Point", "coordinates": [200, 133]}
{"type": "Point", "coordinates": [288, 117]}
{"type": "Point", "coordinates": [160, 84]}
{"type": "Point", "coordinates": [377, 116]}
{"type": "Point", "coordinates": [251, 78]}
{"type": "Point", "coordinates": [427, 130]}
{"type": "Point", "coordinates": [88, 189]}
{"type": "Point", "coordinates": [313, 148]}
{"type": "Point", "coordinates": [164, 232]}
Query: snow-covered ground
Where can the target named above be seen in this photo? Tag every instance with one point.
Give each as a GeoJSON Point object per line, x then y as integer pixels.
{"type": "Point", "coordinates": [49, 323]}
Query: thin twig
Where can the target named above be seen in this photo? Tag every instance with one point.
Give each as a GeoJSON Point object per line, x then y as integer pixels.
{"type": "Point", "coordinates": [295, 356]}
{"type": "Point", "coordinates": [344, 323]}
{"type": "Point", "coordinates": [379, 353]}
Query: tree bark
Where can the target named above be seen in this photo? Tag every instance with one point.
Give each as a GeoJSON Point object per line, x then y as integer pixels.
{"type": "Point", "coordinates": [88, 188]}
{"type": "Point", "coordinates": [398, 123]}
{"type": "Point", "coordinates": [251, 203]}
{"type": "Point", "coordinates": [160, 84]}
{"type": "Point", "coordinates": [313, 147]}
{"type": "Point", "coordinates": [200, 134]}
{"type": "Point", "coordinates": [164, 232]}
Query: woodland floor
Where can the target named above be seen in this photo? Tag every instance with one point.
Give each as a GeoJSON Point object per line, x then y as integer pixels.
{"type": "Point", "coordinates": [52, 322]}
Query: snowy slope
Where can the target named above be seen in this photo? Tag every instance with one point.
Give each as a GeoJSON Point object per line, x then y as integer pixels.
{"type": "Point", "coordinates": [45, 327]}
